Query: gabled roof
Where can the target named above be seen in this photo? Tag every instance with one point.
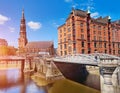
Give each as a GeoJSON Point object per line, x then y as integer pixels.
{"type": "Point", "coordinates": [101, 20]}
{"type": "Point", "coordinates": [39, 44]}
{"type": "Point", "coordinates": [82, 13]}
{"type": "Point", "coordinates": [2, 40]}
{"type": "Point", "coordinates": [117, 22]}
{"type": "Point", "coordinates": [78, 12]}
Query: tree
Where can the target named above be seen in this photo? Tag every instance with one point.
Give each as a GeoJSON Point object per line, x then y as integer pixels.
{"type": "Point", "coordinates": [7, 50]}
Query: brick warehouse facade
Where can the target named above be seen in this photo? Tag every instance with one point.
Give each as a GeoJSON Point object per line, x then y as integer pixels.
{"type": "Point", "coordinates": [83, 34]}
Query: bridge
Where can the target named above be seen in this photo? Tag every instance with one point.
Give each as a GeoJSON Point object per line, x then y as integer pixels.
{"type": "Point", "coordinates": [21, 59]}
{"type": "Point", "coordinates": [74, 65]}
{"type": "Point", "coordinates": [107, 65]}
{"type": "Point", "coordinates": [11, 58]}
{"type": "Point", "coordinates": [93, 59]}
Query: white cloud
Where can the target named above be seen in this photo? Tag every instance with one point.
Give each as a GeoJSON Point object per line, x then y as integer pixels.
{"type": "Point", "coordinates": [12, 29]}
{"type": "Point", "coordinates": [55, 24]}
{"type": "Point", "coordinates": [34, 25]}
{"type": "Point", "coordinates": [89, 5]}
{"type": "Point", "coordinates": [3, 19]}
{"type": "Point", "coordinates": [62, 19]}
{"type": "Point", "coordinates": [95, 14]}
{"type": "Point", "coordinates": [75, 5]}
{"type": "Point", "coordinates": [68, 1]}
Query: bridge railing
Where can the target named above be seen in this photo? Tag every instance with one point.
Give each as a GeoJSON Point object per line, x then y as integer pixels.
{"type": "Point", "coordinates": [77, 58]}
{"type": "Point", "coordinates": [94, 58]}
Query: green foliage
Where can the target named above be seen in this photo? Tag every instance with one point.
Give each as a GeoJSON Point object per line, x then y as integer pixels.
{"type": "Point", "coordinates": [7, 50]}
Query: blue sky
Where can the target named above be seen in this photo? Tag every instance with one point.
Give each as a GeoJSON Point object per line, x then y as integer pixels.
{"type": "Point", "coordinates": [44, 16]}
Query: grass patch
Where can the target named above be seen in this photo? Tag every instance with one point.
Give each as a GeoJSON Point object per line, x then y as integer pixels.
{"type": "Point", "coordinates": [67, 86]}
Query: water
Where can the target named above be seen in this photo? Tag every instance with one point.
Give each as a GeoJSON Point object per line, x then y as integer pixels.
{"type": "Point", "coordinates": [93, 81]}
{"type": "Point", "coordinates": [13, 81]}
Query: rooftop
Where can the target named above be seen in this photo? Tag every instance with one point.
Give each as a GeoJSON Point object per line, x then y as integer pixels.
{"type": "Point", "coordinates": [39, 44]}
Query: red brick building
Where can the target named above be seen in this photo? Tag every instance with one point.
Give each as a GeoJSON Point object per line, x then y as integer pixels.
{"type": "Point", "coordinates": [40, 47]}
{"type": "Point", "coordinates": [83, 34]}
{"type": "Point", "coordinates": [3, 42]}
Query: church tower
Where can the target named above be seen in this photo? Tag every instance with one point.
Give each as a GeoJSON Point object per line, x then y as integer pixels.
{"type": "Point", "coordinates": [22, 41]}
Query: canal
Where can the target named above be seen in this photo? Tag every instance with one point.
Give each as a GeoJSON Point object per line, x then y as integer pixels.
{"type": "Point", "coordinates": [13, 81]}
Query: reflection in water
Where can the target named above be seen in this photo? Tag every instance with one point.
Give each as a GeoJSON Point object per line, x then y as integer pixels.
{"type": "Point", "coordinates": [13, 81]}
{"type": "Point", "coordinates": [93, 81]}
